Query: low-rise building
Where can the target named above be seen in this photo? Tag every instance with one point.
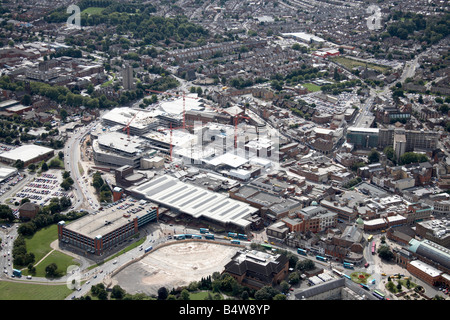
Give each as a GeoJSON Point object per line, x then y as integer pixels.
{"type": "Point", "coordinates": [256, 269]}
{"type": "Point", "coordinates": [27, 153]}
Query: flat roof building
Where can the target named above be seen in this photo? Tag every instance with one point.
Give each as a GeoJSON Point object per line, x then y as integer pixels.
{"type": "Point", "coordinates": [6, 172]}
{"type": "Point", "coordinates": [99, 232]}
{"type": "Point", "coordinates": [197, 202]}
{"type": "Point", "coordinates": [139, 121]}
{"type": "Point", "coordinates": [27, 153]}
{"type": "Point", "coordinates": [117, 149]}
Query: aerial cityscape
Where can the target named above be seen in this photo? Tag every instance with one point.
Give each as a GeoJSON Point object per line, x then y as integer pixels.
{"type": "Point", "coordinates": [225, 150]}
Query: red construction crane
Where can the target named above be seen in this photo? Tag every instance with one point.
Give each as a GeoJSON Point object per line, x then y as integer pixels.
{"type": "Point", "coordinates": [235, 127]}
{"type": "Point", "coordinates": [177, 95]}
{"type": "Point", "coordinates": [235, 120]}
{"type": "Point", "coordinates": [127, 127]}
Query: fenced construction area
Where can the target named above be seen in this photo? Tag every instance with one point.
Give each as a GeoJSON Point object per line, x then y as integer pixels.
{"type": "Point", "coordinates": [174, 265]}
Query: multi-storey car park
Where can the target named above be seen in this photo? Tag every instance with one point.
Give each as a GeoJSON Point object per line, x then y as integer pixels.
{"type": "Point", "coordinates": [99, 232]}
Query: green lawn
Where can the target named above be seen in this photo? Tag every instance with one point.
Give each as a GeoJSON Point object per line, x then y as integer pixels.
{"type": "Point", "coordinates": [92, 10]}
{"type": "Point", "coordinates": [351, 63]}
{"type": "Point", "coordinates": [403, 282]}
{"type": "Point", "coordinates": [29, 291]}
{"type": "Point", "coordinates": [311, 87]}
{"type": "Point", "coordinates": [200, 295]}
{"type": "Point", "coordinates": [62, 260]}
{"type": "Point", "coordinates": [39, 243]}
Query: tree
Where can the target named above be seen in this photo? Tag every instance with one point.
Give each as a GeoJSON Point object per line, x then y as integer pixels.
{"type": "Point", "coordinates": [63, 114]}
{"type": "Point", "coordinates": [279, 296]}
{"type": "Point", "coordinates": [412, 157]}
{"type": "Point", "coordinates": [284, 286]}
{"type": "Point", "coordinates": [66, 174]}
{"type": "Point", "coordinates": [51, 270]}
{"type": "Point", "coordinates": [65, 185]}
{"type": "Point", "coordinates": [26, 100]}
{"type": "Point", "coordinates": [184, 295]}
{"type": "Point", "coordinates": [117, 292]}
{"type": "Point", "coordinates": [374, 156]}
{"type": "Point", "coordinates": [306, 264]}
{"type": "Point", "coordinates": [390, 153]}
{"type": "Point", "coordinates": [6, 213]}
{"type": "Point", "coordinates": [266, 293]}
{"type": "Point", "coordinates": [44, 167]}
{"type": "Point", "coordinates": [19, 164]}
{"type": "Point", "coordinates": [294, 278]}
{"type": "Point", "coordinates": [162, 293]}
{"type": "Point", "coordinates": [385, 253]}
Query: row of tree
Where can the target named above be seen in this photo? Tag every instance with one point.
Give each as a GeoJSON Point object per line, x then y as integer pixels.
{"type": "Point", "coordinates": [102, 188]}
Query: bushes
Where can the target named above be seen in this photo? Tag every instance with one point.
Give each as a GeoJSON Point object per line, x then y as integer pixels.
{"type": "Point", "coordinates": [19, 253]}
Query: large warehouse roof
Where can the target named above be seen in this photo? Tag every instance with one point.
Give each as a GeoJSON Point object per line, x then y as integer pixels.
{"type": "Point", "coordinates": [26, 153]}
{"type": "Point", "coordinates": [196, 201]}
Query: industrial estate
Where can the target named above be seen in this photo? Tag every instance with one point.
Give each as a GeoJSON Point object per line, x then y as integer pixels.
{"type": "Point", "coordinates": [213, 150]}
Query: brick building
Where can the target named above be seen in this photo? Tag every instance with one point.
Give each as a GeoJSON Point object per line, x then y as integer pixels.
{"type": "Point", "coordinates": [255, 269]}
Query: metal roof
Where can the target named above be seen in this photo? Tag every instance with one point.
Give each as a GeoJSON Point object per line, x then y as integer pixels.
{"type": "Point", "coordinates": [196, 201]}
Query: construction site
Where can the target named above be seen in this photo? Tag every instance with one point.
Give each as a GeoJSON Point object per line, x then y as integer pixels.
{"type": "Point", "coordinates": [173, 265]}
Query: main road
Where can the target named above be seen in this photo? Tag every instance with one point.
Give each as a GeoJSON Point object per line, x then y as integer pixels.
{"type": "Point", "coordinates": [72, 161]}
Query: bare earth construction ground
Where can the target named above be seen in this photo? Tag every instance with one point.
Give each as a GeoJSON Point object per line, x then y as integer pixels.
{"type": "Point", "coordinates": [174, 265]}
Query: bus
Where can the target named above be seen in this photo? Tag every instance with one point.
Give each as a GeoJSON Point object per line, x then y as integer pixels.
{"type": "Point", "coordinates": [348, 265]}
{"type": "Point", "coordinates": [369, 238]}
{"type": "Point", "coordinates": [196, 236]}
{"type": "Point", "coordinates": [232, 235]}
{"type": "Point", "coordinates": [301, 251]}
{"type": "Point", "coordinates": [242, 236]}
{"type": "Point", "coordinates": [340, 274]}
{"type": "Point", "coordinates": [188, 236]}
{"type": "Point", "coordinates": [235, 242]}
{"type": "Point", "coordinates": [148, 249]}
{"type": "Point", "coordinates": [17, 273]}
{"type": "Point", "coordinates": [346, 276]}
{"type": "Point", "coordinates": [320, 258]}
{"type": "Point", "coordinates": [179, 237]}
{"type": "Point", "coordinates": [209, 236]}
{"type": "Point", "coordinates": [204, 230]}
{"type": "Point", "coordinates": [374, 248]}
{"type": "Point", "coordinates": [266, 246]}
{"type": "Point", "coordinates": [378, 294]}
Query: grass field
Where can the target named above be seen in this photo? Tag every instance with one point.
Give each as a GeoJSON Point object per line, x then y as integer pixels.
{"type": "Point", "coordinates": [201, 295]}
{"type": "Point", "coordinates": [62, 260]}
{"type": "Point", "coordinates": [92, 10]}
{"type": "Point", "coordinates": [351, 63]}
{"type": "Point", "coordinates": [28, 291]}
{"type": "Point", "coordinates": [39, 245]}
{"type": "Point", "coordinates": [311, 87]}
